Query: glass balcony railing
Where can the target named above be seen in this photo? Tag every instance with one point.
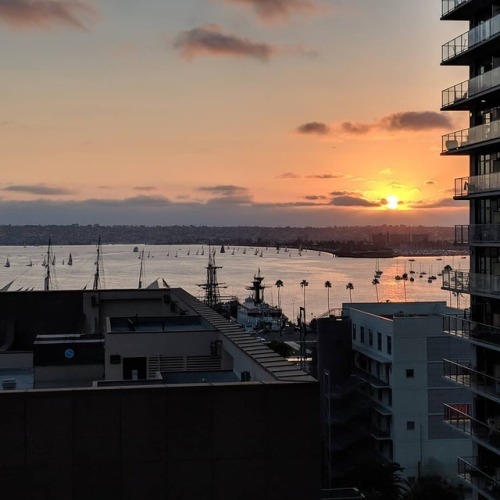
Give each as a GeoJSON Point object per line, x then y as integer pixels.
{"type": "Point", "coordinates": [469, 39]}
{"type": "Point", "coordinates": [477, 233]}
{"type": "Point", "coordinates": [469, 88]}
{"type": "Point", "coordinates": [461, 373]}
{"type": "Point", "coordinates": [466, 282]}
{"type": "Point", "coordinates": [468, 329]}
{"type": "Point", "coordinates": [482, 481]}
{"type": "Point", "coordinates": [470, 136]}
{"type": "Point", "coordinates": [483, 432]}
{"type": "Point", "coordinates": [477, 184]}
{"type": "Point", "coordinates": [449, 5]}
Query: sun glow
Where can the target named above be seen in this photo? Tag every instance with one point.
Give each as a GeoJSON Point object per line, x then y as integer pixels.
{"type": "Point", "coordinates": [392, 202]}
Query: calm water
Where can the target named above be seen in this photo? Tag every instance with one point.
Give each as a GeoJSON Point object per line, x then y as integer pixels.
{"type": "Point", "coordinates": [239, 264]}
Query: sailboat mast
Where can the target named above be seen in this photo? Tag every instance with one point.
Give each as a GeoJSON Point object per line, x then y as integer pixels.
{"type": "Point", "coordinates": [97, 279]}
{"type": "Point", "coordinates": [46, 281]}
{"type": "Point", "coordinates": [142, 269]}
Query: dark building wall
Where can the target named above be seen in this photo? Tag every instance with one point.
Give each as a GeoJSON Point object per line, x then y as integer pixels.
{"type": "Point", "coordinates": [245, 441]}
{"type": "Point", "coordinates": [335, 348]}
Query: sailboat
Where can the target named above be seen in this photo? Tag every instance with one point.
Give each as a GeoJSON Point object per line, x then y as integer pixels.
{"type": "Point", "coordinates": [378, 271]}
{"type": "Point", "coordinates": [70, 260]}
{"type": "Point", "coordinates": [7, 263]}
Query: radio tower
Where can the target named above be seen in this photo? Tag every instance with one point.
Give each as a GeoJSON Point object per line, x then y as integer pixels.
{"type": "Point", "coordinates": [212, 286]}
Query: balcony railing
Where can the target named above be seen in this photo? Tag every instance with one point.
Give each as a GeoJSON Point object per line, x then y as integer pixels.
{"type": "Point", "coordinates": [374, 381]}
{"type": "Point", "coordinates": [468, 329]}
{"type": "Point", "coordinates": [449, 5]}
{"type": "Point", "coordinates": [379, 434]}
{"type": "Point", "coordinates": [457, 281]}
{"type": "Point", "coordinates": [465, 186]}
{"type": "Point", "coordinates": [467, 40]}
{"type": "Point", "coordinates": [466, 376]}
{"type": "Point", "coordinates": [470, 136]}
{"type": "Point", "coordinates": [477, 233]}
{"type": "Point", "coordinates": [470, 471]}
{"type": "Point", "coordinates": [486, 433]}
{"type": "Point", "coordinates": [469, 88]}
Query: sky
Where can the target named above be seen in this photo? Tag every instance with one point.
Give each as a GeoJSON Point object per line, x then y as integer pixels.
{"type": "Point", "coordinates": [227, 112]}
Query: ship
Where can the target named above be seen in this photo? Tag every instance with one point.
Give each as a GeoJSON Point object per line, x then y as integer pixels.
{"type": "Point", "coordinates": [256, 315]}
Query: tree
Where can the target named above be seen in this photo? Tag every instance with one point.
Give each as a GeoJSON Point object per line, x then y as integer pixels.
{"type": "Point", "coordinates": [304, 284]}
{"type": "Point", "coordinates": [328, 285]}
{"type": "Point", "coordinates": [350, 287]}
{"type": "Point", "coordinates": [279, 284]}
{"type": "Point", "coordinates": [432, 486]}
{"type": "Point", "coordinates": [376, 282]}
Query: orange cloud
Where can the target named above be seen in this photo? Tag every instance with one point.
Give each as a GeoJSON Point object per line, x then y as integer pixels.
{"type": "Point", "coordinates": [270, 10]}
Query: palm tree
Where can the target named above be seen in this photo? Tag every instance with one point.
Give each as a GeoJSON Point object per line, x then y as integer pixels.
{"type": "Point", "coordinates": [279, 284]}
{"type": "Point", "coordinates": [303, 284]}
{"type": "Point", "coordinates": [328, 285]}
{"type": "Point", "coordinates": [376, 282]}
{"type": "Point", "coordinates": [350, 287]}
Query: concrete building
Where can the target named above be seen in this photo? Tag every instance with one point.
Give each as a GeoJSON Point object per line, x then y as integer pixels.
{"type": "Point", "coordinates": [397, 351]}
{"type": "Point", "coordinates": [477, 50]}
{"type": "Point", "coordinates": [148, 393]}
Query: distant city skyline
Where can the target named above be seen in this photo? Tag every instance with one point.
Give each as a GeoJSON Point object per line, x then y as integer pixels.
{"type": "Point", "coordinates": [227, 112]}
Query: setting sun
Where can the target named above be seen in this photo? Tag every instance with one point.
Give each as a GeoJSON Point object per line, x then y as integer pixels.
{"type": "Point", "coordinates": [392, 202]}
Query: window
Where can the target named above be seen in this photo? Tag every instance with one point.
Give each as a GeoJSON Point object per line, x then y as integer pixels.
{"type": "Point", "coordinates": [370, 336]}
{"type": "Point", "coordinates": [410, 373]}
{"type": "Point", "coordinates": [410, 425]}
{"type": "Point", "coordinates": [362, 334]}
{"type": "Point", "coordinates": [379, 341]}
{"type": "Point", "coordinates": [389, 344]}
{"type": "Point", "coordinates": [353, 332]}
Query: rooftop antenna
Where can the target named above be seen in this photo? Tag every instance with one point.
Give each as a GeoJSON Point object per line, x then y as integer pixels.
{"type": "Point", "coordinates": [212, 286]}
{"type": "Point", "coordinates": [98, 264]}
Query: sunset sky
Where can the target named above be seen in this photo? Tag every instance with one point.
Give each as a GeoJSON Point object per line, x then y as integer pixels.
{"type": "Point", "coordinates": [227, 112]}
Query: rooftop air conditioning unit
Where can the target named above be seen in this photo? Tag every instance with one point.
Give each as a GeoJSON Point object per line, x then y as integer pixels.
{"type": "Point", "coordinates": [9, 384]}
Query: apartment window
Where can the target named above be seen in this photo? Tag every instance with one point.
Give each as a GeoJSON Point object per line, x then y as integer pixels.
{"type": "Point", "coordinates": [353, 332]}
{"type": "Point", "coordinates": [379, 341]}
{"type": "Point", "coordinates": [370, 337]}
{"type": "Point", "coordinates": [389, 344]}
{"type": "Point", "coordinates": [410, 425]}
{"type": "Point", "coordinates": [362, 334]}
{"type": "Point", "coordinates": [410, 373]}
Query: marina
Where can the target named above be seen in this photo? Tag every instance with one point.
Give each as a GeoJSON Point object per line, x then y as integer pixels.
{"type": "Point", "coordinates": [121, 266]}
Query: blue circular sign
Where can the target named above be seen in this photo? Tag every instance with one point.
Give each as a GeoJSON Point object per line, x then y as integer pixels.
{"type": "Point", "coordinates": [69, 353]}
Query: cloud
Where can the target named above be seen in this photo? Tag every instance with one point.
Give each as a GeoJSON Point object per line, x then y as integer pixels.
{"type": "Point", "coordinates": [313, 128]}
{"type": "Point", "coordinates": [324, 176]}
{"type": "Point", "coordinates": [270, 10]}
{"type": "Point", "coordinates": [441, 203]}
{"type": "Point", "coordinates": [224, 189]}
{"type": "Point", "coordinates": [40, 189]}
{"type": "Point", "coordinates": [211, 40]}
{"type": "Point", "coordinates": [386, 171]}
{"type": "Point", "coordinates": [353, 201]}
{"type": "Point", "coordinates": [314, 197]}
{"type": "Point", "coordinates": [396, 122]}
{"type": "Point", "coordinates": [44, 13]}
{"type": "Point", "coordinates": [288, 175]}
{"type": "Point", "coordinates": [144, 188]}
{"type": "Point", "coordinates": [430, 182]}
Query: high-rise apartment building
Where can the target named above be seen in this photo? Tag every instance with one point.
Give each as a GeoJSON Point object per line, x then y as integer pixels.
{"type": "Point", "coordinates": [478, 49]}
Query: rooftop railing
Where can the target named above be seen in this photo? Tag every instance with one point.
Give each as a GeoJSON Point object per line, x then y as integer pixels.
{"type": "Point", "coordinates": [470, 136]}
{"type": "Point", "coordinates": [465, 41]}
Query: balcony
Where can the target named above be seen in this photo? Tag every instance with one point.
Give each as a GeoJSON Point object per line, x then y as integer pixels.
{"type": "Point", "coordinates": [477, 234]}
{"type": "Point", "coordinates": [487, 434]}
{"type": "Point", "coordinates": [457, 51]}
{"type": "Point", "coordinates": [477, 333]}
{"type": "Point", "coordinates": [481, 383]}
{"type": "Point", "coordinates": [379, 434]}
{"type": "Point", "coordinates": [461, 95]}
{"type": "Point", "coordinates": [476, 283]}
{"type": "Point", "coordinates": [374, 381]}
{"type": "Point", "coordinates": [468, 187]}
{"type": "Point", "coordinates": [462, 141]}
{"type": "Point", "coordinates": [481, 481]}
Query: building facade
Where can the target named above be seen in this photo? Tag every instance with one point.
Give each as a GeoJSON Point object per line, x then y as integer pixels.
{"type": "Point", "coordinates": [478, 50]}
